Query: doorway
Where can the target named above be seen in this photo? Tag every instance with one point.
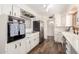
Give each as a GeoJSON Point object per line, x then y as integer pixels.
{"type": "Point", "coordinates": [50, 29]}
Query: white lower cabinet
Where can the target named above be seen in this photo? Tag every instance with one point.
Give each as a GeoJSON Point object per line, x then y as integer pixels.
{"type": "Point", "coordinates": [27, 46]}
{"type": "Point", "coordinates": [32, 41]}
{"type": "Point", "coordinates": [13, 48]}
{"type": "Point", "coordinates": [58, 37]}
{"type": "Point", "coordinates": [22, 46]}
{"type": "Point", "coordinates": [36, 41]}
{"type": "Point", "coordinates": [70, 49]}
{"type": "Point", "coordinates": [17, 47]}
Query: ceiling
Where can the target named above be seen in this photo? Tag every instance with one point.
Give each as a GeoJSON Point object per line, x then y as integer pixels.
{"type": "Point", "coordinates": [56, 8]}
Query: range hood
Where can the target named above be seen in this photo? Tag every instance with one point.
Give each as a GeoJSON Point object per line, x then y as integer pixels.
{"type": "Point", "coordinates": [26, 14]}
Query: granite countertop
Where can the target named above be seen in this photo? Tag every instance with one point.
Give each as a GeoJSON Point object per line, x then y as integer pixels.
{"type": "Point", "coordinates": [73, 39]}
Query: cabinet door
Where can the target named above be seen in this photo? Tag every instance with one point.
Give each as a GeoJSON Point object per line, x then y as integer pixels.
{"type": "Point", "coordinates": [17, 47]}
{"type": "Point", "coordinates": [58, 20]}
{"type": "Point", "coordinates": [68, 20]}
{"type": "Point", "coordinates": [32, 44]}
{"type": "Point", "coordinates": [21, 46]}
{"type": "Point", "coordinates": [27, 46]}
{"type": "Point", "coordinates": [12, 48]}
{"type": "Point", "coordinates": [16, 11]}
{"type": "Point", "coordinates": [7, 9]}
{"type": "Point", "coordinates": [34, 40]}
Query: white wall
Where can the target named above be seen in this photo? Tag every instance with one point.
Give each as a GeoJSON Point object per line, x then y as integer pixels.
{"type": "Point", "coordinates": [3, 32]}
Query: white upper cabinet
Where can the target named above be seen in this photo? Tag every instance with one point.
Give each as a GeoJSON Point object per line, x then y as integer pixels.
{"type": "Point", "coordinates": [9, 9]}
{"type": "Point", "coordinates": [58, 20]}
{"type": "Point", "coordinates": [16, 11]}
{"type": "Point", "coordinates": [68, 20]}
{"type": "Point", "coordinates": [6, 9]}
{"type": "Point", "coordinates": [63, 20]}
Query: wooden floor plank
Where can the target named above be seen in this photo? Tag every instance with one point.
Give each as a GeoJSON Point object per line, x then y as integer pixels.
{"type": "Point", "coordinates": [49, 46]}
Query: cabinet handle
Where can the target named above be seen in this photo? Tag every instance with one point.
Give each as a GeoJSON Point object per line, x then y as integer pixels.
{"type": "Point", "coordinates": [15, 46]}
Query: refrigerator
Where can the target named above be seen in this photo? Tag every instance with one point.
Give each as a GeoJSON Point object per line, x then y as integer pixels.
{"type": "Point", "coordinates": [38, 26]}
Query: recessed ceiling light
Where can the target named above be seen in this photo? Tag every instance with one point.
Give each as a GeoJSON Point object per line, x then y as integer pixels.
{"type": "Point", "coordinates": [45, 5]}
{"type": "Point", "coordinates": [51, 22]}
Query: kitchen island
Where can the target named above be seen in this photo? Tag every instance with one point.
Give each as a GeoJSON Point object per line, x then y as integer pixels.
{"type": "Point", "coordinates": [72, 42]}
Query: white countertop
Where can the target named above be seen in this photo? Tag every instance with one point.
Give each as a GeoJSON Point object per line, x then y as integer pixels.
{"type": "Point", "coordinates": [73, 39]}
{"type": "Point", "coordinates": [31, 34]}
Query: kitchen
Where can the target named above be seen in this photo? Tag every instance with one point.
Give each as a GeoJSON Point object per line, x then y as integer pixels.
{"type": "Point", "coordinates": [39, 29]}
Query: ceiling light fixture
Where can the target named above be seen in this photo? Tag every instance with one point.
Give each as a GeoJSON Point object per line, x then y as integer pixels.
{"type": "Point", "coordinates": [49, 6]}
{"type": "Point", "coordinates": [45, 5]}
{"type": "Point", "coordinates": [51, 22]}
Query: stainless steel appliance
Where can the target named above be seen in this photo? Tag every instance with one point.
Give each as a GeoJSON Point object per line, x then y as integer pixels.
{"type": "Point", "coordinates": [39, 26]}
{"type": "Point", "coordinates": [15, 28]}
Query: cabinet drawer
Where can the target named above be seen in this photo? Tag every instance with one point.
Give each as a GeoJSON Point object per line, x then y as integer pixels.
{"type": "Point", "coordinates": [68, 52]}
{"type": "Point", "coordinates": [68, 48]}
{"type": "Point", "coordinates": [37, 41]}
{"type": "Point", "coordinates": [34, 36]}
{"type": "Point", "coordinates": [16, 47]}
{"type": "Point", "coordinates": [27, 45]}
{"type": "Point", "coordinates": [11, 48]}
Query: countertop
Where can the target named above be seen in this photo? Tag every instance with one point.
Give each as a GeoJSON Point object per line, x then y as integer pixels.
{"type": "Point", "coordinates": [31, 34]}
{"type": "Point", "coordinates": [73, 39]}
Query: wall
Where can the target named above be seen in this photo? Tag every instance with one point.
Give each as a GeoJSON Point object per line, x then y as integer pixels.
{"type": "Point", "coordinates": [3, 32]}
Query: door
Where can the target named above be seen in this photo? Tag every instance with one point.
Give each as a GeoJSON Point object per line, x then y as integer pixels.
{"type": "Point", "coordinates": [50, 28]}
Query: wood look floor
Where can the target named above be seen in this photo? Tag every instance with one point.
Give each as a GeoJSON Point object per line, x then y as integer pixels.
{"type": "Point", "coordinates": [49, 46]}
